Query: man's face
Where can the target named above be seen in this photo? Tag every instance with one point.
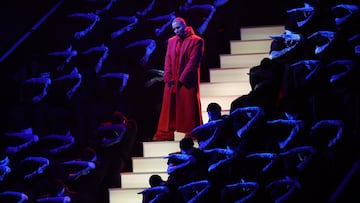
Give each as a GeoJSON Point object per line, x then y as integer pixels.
{"type": "Point", "coordinates": [214, 115]}
{"type": "Point", "coordinates": [179, 28]}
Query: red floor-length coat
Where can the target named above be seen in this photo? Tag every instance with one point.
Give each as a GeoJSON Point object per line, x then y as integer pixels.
{"type": "Point", "coordinates": [187, 97]}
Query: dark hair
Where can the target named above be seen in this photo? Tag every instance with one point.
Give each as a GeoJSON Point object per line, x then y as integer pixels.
{"type": "Point", "coordinates": [213, 107]}
{"type": "Point", "coordinates": [186, 143]}
{"type": "Point", "coordinates": [155, 180]}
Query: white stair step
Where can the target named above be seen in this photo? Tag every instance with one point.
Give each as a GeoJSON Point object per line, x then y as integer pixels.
{"type": "Point", "coordinates": [212, 89]}
{"type": "Point", "coordinates": [260, 32]}
{"type": "Point", "coordinates": [149, 164]}
{"type": "Point", "coordinates": [250, 46]}
{"type": "Point", "coordinates": [159, 148]}
{"type": "Point", "coordinates": [139, 180]}
{"type": "Point", "coordinates": [178, 136]}
{"type": "Point", "coordinates": [241, 60]}
{"type": "Point", "coordinates": [229, 74]}
{"type": "Point", "coordinates": [125, 195]}
{"type": "Point", "coordinates": [162, 148]}
{"type": "Point", "coordinates": [223, 101]}
{"type": "Point", "coordinates": [224, 87]}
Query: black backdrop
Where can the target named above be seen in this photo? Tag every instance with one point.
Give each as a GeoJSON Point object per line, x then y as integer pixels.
{"type": "Point", "coordinates": [35, 28]}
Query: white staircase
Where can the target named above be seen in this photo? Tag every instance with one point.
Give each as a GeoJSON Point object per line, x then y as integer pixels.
{"type": "Point", "coordinates": [227, 83]}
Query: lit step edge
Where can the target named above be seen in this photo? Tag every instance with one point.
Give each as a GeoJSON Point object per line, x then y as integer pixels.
{"type": "Point", "coordinates": [159, 148]}
{"type": "Point", "coordinates": [260, 32]}
{"type": "Point", "coordinates": [125, 195]}
{"type": "Point", "coordinates": [229, 74]}
{"type": "Point", "coordinates": [139, 180]}
{"type": "Point", "coordinates": [224, 88]}
{"type": "Point", "coordinates": [250, 46]}
{"type": "Point", "coordinates": [178, 136]}
{"type": "Point", "coordinates": [149, 164]}
{"type": "Point", "coordinates": [241, 60]}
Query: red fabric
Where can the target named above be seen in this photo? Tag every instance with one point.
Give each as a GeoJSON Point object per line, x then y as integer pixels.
{"type": "Point", "coordinates": [184, 103]}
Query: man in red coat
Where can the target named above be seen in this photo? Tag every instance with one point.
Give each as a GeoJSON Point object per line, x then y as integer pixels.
{"type": "Point", "coordinates": [181, 109]}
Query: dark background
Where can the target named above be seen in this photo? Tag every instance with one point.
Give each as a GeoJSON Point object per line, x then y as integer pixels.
{"type": "Point", "coordinates": [32, 29]}
{"type": "Point", "coordinates": [28, 34]}
{"type": "Point", "coordinates": [19, 16]}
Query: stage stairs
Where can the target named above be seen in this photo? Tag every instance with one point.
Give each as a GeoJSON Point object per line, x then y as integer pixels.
{"type": "Point", "coordinates": [227, 82]}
